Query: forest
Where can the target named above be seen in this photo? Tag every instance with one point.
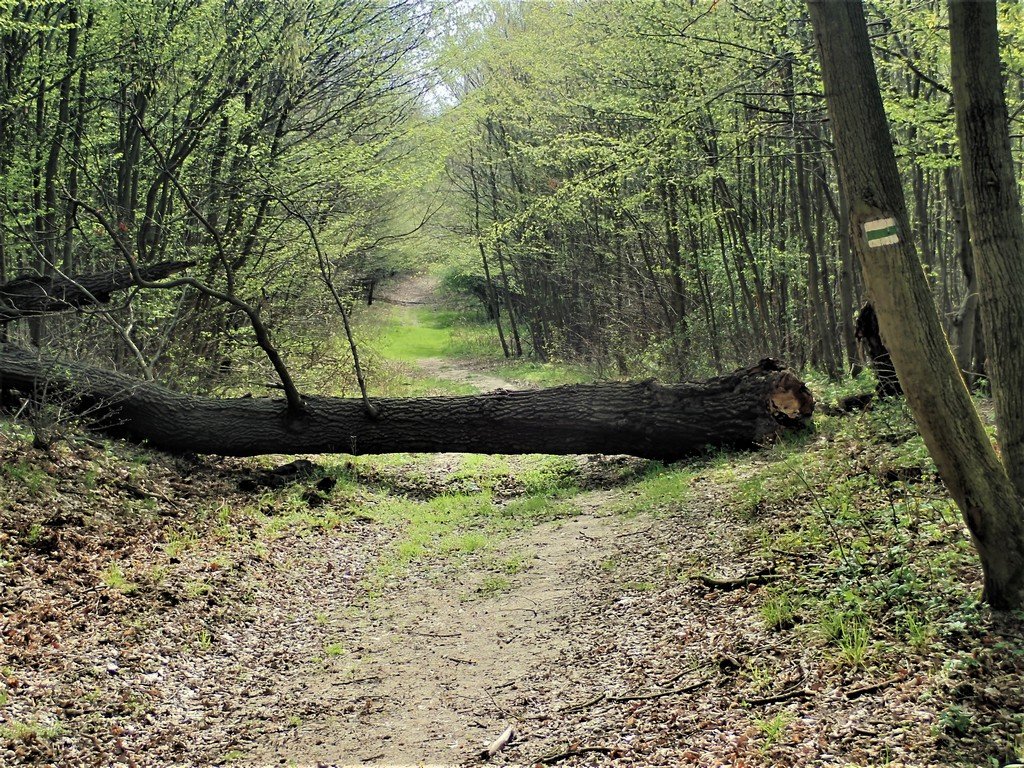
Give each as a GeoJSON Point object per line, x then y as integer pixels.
{"type": "Point", "coordinates": [525, 382]}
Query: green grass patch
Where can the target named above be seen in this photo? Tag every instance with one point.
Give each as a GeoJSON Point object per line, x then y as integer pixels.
{"type": "Point", "coordinates": [29, 731]}
{"type": "Point", "coordinates": [27, 476]}
{"type": "Point", "coordinates": [491, 585]}
{"type": "Point", "coordinates": [113, 577]}
{"type": "Point", "coordinates": [398, 339]}
{"type": "Point", "coordinates": [414, 333]}
{"type": "Point", "coordinates": [332, 650]}
{"type": "Point", "coordinates": [663, 489]}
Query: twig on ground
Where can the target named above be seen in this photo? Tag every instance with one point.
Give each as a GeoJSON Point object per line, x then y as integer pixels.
{"type": "Point", "coordinates": [741, 581]}
{"type": "Point", "coordinates": [678, 676]}
{"type": "Point", "coordinates": [584, 705]}
{"type": "Point", "coordinates": [457, 660]}
{"type": "Point", "coordinates": [791, 553]}
{"type": "Point", "coordinates": [635, 697]}
{"type": "Point", "coordinates": [371, 679]}
{"type": "Point", "coordinates": [142, 493]}
{"type": "Point", "coordinates": [855, 692]}
{"type": "Point", "coordinates": [784, 696]}
{"type": "Point", "coordinates": [659, 694]}
{"type": "Point", "coordinates": [498, 744]}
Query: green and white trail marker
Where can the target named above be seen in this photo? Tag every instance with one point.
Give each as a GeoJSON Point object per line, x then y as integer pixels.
{"type": "Point", "coordinates": [881, 232]}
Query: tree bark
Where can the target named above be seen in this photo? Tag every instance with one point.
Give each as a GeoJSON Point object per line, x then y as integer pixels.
{"type": "Point", "coordinates": [32, 296]}
{"type": "Point", "coordinates": [909, 323]}
{"type": "Point", "coordinates": [966, 322]}
{"type": "Point", "coordinates": [667, 422]}
{"type": "Point", "coordinates": [846, 291]}
{"type": "Point", "coordinates": [993, 213]}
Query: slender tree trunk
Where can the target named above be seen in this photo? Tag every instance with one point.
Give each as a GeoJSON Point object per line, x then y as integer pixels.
{"type": "Point", "coordinates": [814, 293]}
{"type": "Point", "coordinates": [78, 135]}
{"type": "Point", "coordinates": [965, 323]}
{"type": "Point", "coordinates": [492, 295]}
{"type": "Point", "coordinates": [935, 390]}
{"type": "Point", "coordinates": [846, 289]}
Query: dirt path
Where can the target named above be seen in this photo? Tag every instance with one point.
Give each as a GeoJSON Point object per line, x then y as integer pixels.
{"type": "Point", "coordinates": [434, 669]}
{"type": "Point", "coordinates": [437, 668]}
{"type": "Point", "coordinates": [421, 291]}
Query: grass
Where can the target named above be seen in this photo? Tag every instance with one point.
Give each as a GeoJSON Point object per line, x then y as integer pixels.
{"type": "Point", "coordinates": [113, 577]}
{"type": "Point", "coordinates": [851, 636]}
{"type": "Point", "coordinates": [28, 731]}
{"type": "Point", "coordinates": [333, 650]}
{"type": "Point", "coordinates": [397, 339]}
{"type": "Point", "coordinates": [512, 565]}
{"type": "Point", "coordinates": [415, 333]}
{"type": "Point", "coordinates": [493, 585]}
{"type": "Point", "coordinates": [26, 476]}
{"type": "Point", "coordinates": [550, 374]}
{"type": "Point", "coordinates": [773, 729]}
{"type": "Point", "coordinates": [779, 610]}
{"type": "Point", "coordinates": [663, 489]}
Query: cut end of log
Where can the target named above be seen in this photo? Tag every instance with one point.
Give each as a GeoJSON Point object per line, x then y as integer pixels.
{"type": "Point", "coordinates": [791, 402]}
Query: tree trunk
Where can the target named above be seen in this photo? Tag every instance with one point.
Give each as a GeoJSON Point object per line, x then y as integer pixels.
{"type": "Point", "coordinates": [993, 213]}
{"type": "Point", "coordinates": [965, 323]}
{"type": "Point", "coordinates": [32, 296]}
{"type": "Point", "coordinates": [814, 292]}
{"type": "Point", "coordinates": [846, 287]}
{"type": "Point", "coordinates": [667, 422]}
{"type": "Point", "coordinates": [942, 407]}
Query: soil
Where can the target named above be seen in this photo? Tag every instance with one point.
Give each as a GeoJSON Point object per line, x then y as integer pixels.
{"type": "Point", "coordinates": [443, 668]}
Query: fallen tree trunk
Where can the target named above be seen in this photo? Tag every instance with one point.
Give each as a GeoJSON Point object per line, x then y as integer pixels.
{"type": "Point", "coordinates": [743, 409]}
{"type": "Point", "coordinates": [31, 295]}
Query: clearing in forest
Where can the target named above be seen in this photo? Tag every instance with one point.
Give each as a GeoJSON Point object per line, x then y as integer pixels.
{"type": "Point", "coordinates": [811, 604]}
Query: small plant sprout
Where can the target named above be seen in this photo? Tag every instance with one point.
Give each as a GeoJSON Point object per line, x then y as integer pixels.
{"type": "Point", "coordinates": [772, 729]}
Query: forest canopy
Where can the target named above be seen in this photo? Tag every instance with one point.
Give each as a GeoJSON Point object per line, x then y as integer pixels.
{"type": "Point", "coordinates": [645, 187]}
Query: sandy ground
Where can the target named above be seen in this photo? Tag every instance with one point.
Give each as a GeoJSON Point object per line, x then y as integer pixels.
{"type": "Point", "coordinates": [442, 669]}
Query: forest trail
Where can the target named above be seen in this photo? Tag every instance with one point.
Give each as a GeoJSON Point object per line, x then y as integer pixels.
{"type": "Point", "coordinates": [439, 665]}
{"type": "Point", "coordinates": [439, 661]}
{"type": "Point", "coordinates": [412, 293]}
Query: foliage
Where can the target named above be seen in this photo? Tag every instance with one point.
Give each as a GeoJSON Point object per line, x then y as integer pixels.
{"type": "Point", "coordinates": [225, 135]}
{"type": "Point", "coordinates": [634, 175]}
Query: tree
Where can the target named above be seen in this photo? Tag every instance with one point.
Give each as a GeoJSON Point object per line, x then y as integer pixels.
{"type": "Point", "coordinates": [667, 422]}
{"type": "Point", "coordinates": [936, 393]}
{"type": "Point", "coordinates": [993, 213]}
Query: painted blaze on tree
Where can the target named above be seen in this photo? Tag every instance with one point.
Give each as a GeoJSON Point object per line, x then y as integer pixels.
{"type": "Point", "coordinates": [881, 232]}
